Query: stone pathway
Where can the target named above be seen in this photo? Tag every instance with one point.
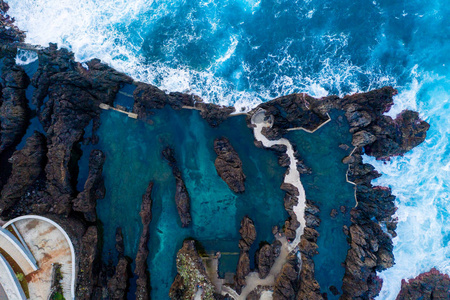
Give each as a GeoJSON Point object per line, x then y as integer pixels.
{"type": "Point", "coordinates": [48, 245]}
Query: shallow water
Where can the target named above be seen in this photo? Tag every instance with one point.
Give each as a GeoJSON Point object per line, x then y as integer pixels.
{"type": "Point", "coordinates": [133, 151]}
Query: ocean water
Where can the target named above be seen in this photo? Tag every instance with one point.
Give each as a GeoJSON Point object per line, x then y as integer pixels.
{"type": "Point", "coordinates": [245, 52]}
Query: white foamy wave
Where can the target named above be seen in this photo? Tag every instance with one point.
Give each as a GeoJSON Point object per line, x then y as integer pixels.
{"type": "Point", "coordinates": [421, 182]}
{"type": "Point", "coordinates": [25, 57]}
{"type": "Point", "coordinates": [110, 30]}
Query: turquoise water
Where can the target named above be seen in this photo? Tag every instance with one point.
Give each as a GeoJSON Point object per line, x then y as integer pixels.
{"type": "Point", "coordinates": [133, 152]}
{"type": "Point", "coordinates": [246, 51]}
{"type": "Point", "coordinates": [328, 189]}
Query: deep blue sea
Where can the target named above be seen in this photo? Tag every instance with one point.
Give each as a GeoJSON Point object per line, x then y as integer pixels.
{"type": "Point", "coordinates": [245, 52]}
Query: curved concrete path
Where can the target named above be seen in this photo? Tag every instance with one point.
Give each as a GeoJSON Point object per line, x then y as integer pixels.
{"type": "Point", "coordinates": [10, 285]}
{"type": "Point", "coordinates": [11, 245]}
{"type": "Point", "coordinates": [49, 244]}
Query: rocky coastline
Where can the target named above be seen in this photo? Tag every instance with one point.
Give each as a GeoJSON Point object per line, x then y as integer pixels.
{"type": "Point", "coordinates": [41, 177]}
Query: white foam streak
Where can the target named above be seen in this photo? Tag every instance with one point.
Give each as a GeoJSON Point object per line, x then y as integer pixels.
{"type": "Point", "coordinates": [25, 57]}
{"type": "Point", "coordinates": [421, 182]}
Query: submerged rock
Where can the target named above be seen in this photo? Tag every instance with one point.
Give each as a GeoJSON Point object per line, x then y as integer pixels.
{"type": "Point", "coordinates": [94, 188]}
{"type": "Point", "coordinates": [229, 165]}
{"type": "Point", "coordinates": [427, 286]}
{"type": "Point", "coordinates": [248, 237]}
{"type": "Point", "coordinates": [27, 166]}
{"type": "Point", "coordinates": [141, 270]}
{"type": "Point", "coordinates": [182, 198]}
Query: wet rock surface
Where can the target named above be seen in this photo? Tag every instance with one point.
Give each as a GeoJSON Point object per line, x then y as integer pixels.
{"type": "Point", "coordinates": [182, 198]}
{"type": "Point", "coordinates": [248, 237]}
{"type": "Point", "coordinates": [229, 165]}
{"type": "Point", "coordinates": [141, 271]}
{"type": "Point", "coordinates": [426, 286]}
{"type": "Point", "coordinates": [94, 188]}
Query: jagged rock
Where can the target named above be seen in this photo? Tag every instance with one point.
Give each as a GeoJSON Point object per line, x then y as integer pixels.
{"type": "Point", "coordinates": [242, 270]}
{"type": "Point", "coordinates": [14, 111]}
{"type": "Point", "coordinates": [285, 284]}
{"type": "Point", "coordinates": [9, 33]}
{"type": "Point", "coordinates": [94, 188]}
{"type": "Point", "coordinates": [89, 253]}
{"type": "Point", "coordinates": [427, 286]}
{"type": "Point", "coordinates": [191, 275]}
{"type": "Point", "coordinates": [248, 236]}
{"type": "Point", "coordinates": [27, 165]}
{"type": "Point", "coordinates": [182, 198]}
{"type": "Point", "coordinates": [118, 284]}
{"type": "Point", "coordinates": [229, 165]}
{"type": "Point", "coordinates": [248, 233]}
{"type": "Point", "coordinates": [214, 114]}
{"type": "Point", "coordinates": [120, 247]}
{"type": "Point", "coordinates": [363, 138]}
{"type": "Point", "coordinates": [264, 260]}
{"type": "Point", "coordinates": [140, 271]}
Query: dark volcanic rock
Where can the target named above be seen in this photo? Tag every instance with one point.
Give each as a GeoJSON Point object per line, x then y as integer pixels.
{"type": "Point", "coordinates": [191, 274]}
{"type": "Point", "coordinates": [214, 114]}
{"type": "Point", "coordinates": [27, 165]}
{"type": "Point", "coordinates": [118, 284]}
{"type": "Point", "coordinates": [248, 233]}
{"type": "Point", "coordinates": [14, 111]}
{"type": "Point", "coordinates": [264, 260]}
{"type": "Point", "coordinates": [94, 188]}
{"type": "Point", "coordinates": [181, 194]}
{"type": "Point", "coordinates": [248, 236]}
{"type": "Point", "coordinates": [229, 165]}
{"type": "Point", "coordinates": [74, 94]}
{"type": "Point", "coordinates": [285, 284]}
{"type": "Point", "coordinates": [89, 253]}
{"type": "Point", "coordinates": [143, 280]}
{"type": "Point", "coordinates": [9, 33]}
{"type": "Point", "coordinates": [427, 286]}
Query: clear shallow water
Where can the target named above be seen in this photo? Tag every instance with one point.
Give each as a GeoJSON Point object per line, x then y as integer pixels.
{"type": "Point", "coordinates": [243, 52]}
{"type": "Point", "coordinates": [328, 189]}
{"type": "Point", "coordinates": [133, 151]}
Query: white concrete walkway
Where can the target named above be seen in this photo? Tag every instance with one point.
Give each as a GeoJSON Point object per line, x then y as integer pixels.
{"type": "Point", "coordinates": [49, 244]}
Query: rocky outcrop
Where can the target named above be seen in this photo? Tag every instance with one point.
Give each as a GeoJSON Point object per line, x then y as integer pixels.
{"type": "Point", "coordinates": [14, 111]}
{"type": "Point", "coordinates": [118, 284]}
{"type": "Point", "coordinates": [214, 114]}
{"type": "Point", "coordinates": [290, 201]}
{"type": "Point", "coordinates": [229, 165]}
{"type": "Point", "coordinates": [248, 237]}
{"type": "Point", "coordinates": [143, 279]}
{"type": "Point", "coordinates": [9, 33]}
{"type": "Point", "coordinates": [94, 188]}
{"type": "Point", "coordinates": [427, 286]}
{"type": "Point", "coordinates": [308, 287]}
{"type": "Point", "coordinates": [27, 166]}
{"type": "Point", "coordinates": [191, 275]}
{"type": "Point", "coordinates": [265, 257]}
{"type": "Point", "coordinates": [74, 94]}
{"type": "Point", "coordinates": [182, 198]}
{"type": "Point", "coordinates": [286, 282]}
{"type": "Point", "coordinates": [86, 271]}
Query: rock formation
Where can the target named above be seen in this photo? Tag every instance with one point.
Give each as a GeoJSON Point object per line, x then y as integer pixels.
{"type": "Point", "coordinates": [248, 236]}
{"type": "Point", "coordinates": [181, 194]}
{"type": "Point", "coordinates": [94, 188]}
{"type": "Point", "coordinates": [27, 166]}
{"type": "Point", "coordinates": [86, 273]}
{"type": "Point", "coordinates": [141, 272]}
{"type": "Point", "coordinates": [118, 284]}
{"type": "Point", "coordinates": [427, 286]}
{"type": "Point", "coordinates": [229, 165]}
